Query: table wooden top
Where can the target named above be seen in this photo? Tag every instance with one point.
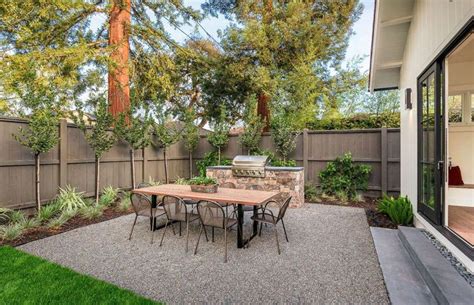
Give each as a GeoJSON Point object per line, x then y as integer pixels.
{"type": "Point", "coordinates": [223, 195]}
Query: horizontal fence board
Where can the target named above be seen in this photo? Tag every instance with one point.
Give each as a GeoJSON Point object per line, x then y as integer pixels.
{"type": "Point", "coordinates": [77, 160]}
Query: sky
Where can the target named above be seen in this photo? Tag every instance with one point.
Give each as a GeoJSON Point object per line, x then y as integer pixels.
{"type": "Point", "coordinates": [359, 44]}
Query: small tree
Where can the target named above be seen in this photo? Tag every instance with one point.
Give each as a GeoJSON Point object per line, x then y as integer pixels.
{"type": "Point", "coordinates": [283, 136]}
{"type": "Point", "coordinates": [190, 136]}
{"type": "Point", "coordinates": [137, 133]}
{"type": "Point", "coordinates": [167, 134]}
{"type": "Point", "coordinates": [220, 137]}
{"type": "Point", "coordinates": [40, 136]}
{"type": "Point", "coordinates": [253, 127]}
{"type": "Point", "coordinates": [97, 134]}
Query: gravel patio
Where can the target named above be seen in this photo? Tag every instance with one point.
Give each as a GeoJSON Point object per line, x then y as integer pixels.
{"type": "Point", "coordinates": [330, 259]}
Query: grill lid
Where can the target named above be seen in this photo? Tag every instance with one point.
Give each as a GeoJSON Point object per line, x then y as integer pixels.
{"type": "Point", "coordinates": [249, 166]}
{"type": "Point", "coordinates": [253, 161]}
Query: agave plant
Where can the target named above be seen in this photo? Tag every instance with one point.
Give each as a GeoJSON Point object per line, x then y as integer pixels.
{"type": "Point", "coordinates": [109, 196]}
{"type": "Point", "coordinates": [11, 231]}
{"type": "Point", "coordinates": [69, 199]}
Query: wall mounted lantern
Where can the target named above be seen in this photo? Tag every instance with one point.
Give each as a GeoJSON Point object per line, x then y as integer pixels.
{"type": "Point", "coordinates": [408, 103]}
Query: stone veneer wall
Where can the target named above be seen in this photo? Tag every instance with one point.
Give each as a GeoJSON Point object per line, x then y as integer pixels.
{"type": "Point", "coordinates": [282, 179]}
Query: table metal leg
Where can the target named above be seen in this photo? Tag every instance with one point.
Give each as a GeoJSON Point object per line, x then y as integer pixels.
{"type": "Point", "coordinates": [153, 205]}
{"type": "Point", "coordinates": [240, 224]}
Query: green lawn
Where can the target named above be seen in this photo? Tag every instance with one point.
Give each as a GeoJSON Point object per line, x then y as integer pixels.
{"type": "Point", "coordinates": [26, 279]}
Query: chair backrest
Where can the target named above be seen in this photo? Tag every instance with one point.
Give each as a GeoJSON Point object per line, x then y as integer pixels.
{"type": "Point", "coordinates": [139, 202]}
{"type": "Point", "coordinates": [143, 184]}
{"type": "Point", "coordinates": [211, 213]}
{"type": "Point", "coordinates": [255, 187]}
{"type": "Point", "coordinates": [229, 185]}
{"type": "Point", "coordinates": [282, 204]}
{"type": "Point", "coordinates": [173, 205]}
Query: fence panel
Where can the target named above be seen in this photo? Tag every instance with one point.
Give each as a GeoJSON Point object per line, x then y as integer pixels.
{"type": "Point", "coordinates": [72, 161]}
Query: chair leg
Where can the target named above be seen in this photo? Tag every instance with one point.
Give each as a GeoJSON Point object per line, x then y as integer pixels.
{"type": "Point", "coordinates": [164, 232]}
{"type": "Point", "coordinates": [260, 232]}
{"type": "Point", "coordinates": [225, 242]}
{"type": "Point", "coordinates": [276, 237]}
{"type": "Point", "coordinates": [205, 234]}
{"type": "Point", "coordinates": [284, 230]}
{"type": "Point", "coordinates": [172, 228]}
{"type": "Point", "coordinates": [212, 234]}
{"type": "Point", "coordinates": [187, 235]}
{"type": "Point", "coordinates": [180, 228]}
{"type": "Point", "coordinates": [133, 226]}
{"type": "Point", "coordinates": [199, 238]}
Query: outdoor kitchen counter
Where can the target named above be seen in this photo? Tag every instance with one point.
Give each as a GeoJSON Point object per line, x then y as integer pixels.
{"type": "Point", "coordinates": [281, 179]}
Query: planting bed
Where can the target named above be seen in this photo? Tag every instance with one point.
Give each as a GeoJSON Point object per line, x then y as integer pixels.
{"type": "Point", "coordinates": [73, 223]}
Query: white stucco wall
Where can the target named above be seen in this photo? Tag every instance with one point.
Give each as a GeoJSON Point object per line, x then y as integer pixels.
{"type": "Point", "coordinates": [434, 23]}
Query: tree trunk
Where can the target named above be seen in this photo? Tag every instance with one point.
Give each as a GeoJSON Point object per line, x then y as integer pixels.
{"type": "Point", "coordinates": [263, 110]}
{"type": "Point", "coordinates": [37, 182]}
{"type": "Point", "coordinates": [97, 179]}
{"type": "Point", "coordinates": [118, 80]}
{"type": "Point", "coordinates": [190, 164]}
{"type": "Point", "coordinates": [132, 166]}
{"type": "Point", "coordinates": [165, 161]}
{"type": "Point", "coordinates": [219, 156]}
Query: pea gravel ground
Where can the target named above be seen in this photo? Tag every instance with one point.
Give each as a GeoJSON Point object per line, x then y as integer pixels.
{"type": "Point", "coordinates": [330, 259]}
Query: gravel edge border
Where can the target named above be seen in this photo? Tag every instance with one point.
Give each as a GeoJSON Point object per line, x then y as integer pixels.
{"type": "Point", "coordinates": [460, 268]}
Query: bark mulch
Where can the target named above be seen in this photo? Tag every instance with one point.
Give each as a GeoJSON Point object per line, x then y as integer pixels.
{"type": "Point", "coordinates": [374, 217]}
{"type": "Point", "coordinates": [74, 223]}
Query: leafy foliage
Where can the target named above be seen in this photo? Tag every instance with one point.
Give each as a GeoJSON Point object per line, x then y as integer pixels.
{"type": "Point", "coordinates": [17, 216]}
{"type": "Point", "coordinates": [283, 136]}
{"type": "Point", "coordinates": [41, 135]}
{"type": "Point", "coordinates": [109, 196]}
{"type": "Point", "coordinates": [181, 181]}
{"type": "Point", "coordinates": [124, 202]}
{"type": "Point", "coordinates": [48, 211]}
{"type": "Point", "coordinates": [167, 133]}
{"type": "Point", "coordinates": [11, 231]}
{"type": "Point", "coordinates": [344, 178]}
{"type": "Point", "coordinates": [190, 131]}
{"type": "Point", "coordinates": [210, 159]}
{"type": "Point", "coordinates": [92, 211]}
{"type": "Point", "coordinates": [357, 121]}
{"type": "Point", "coordinates": [202, 181]}
{"type": "Point", "coordinates": [398, 209]}
{"type": "Point", "coordinates": [253, 128]}
{"type": "Point", "coordinates": [136, 132]}
{"type": "Point", "coordinates": [69, 200]}
{"type": "Point", "coordinates": [60, 220]}
{"type": "Point", "coordinates": [220, 136]}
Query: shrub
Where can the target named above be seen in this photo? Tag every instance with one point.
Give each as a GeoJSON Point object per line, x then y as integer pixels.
{"type": "Point", "coordinates": [60, 220]}
{"type": "Point", "coordinates": [48, 211]}
{"type": "Point", "coordinates": [311, 192]}
{"type": "Point", "coordinates": [398, 209]}
{"type": "Point", "coordinates": [344, 178]}
{"type": "Point", "coordinates": [358, 121]}
{"type": "Point", "coordinates": [5, 215]}
{"type": "Point", "coordinates": [11, 231]}
{"type": "Point", "coordinates": [69, 200]}
{"type": "Point", "coordinates": [202, 181]}
{"type": "Point", "coordinates": [124, 203]}
{"type": "Point", "coordinates": [91, 212]}
{"type": "Point", "coordinates": [284, 163]}
{"type": "Point", "coordinates": [181, 181]}
{"type": "Point", "coordinates": [29, 223]}
{"type": "Point", "coordinates": [272, 159]}
{"type": "Point", "coordinates": [210, 159]}
{"type": "Point", "coordinates": [283, 136]}
{"type": "Point", "coordinates": [109, 196]}
{"type": "Point", "coordinates": [16, 217]}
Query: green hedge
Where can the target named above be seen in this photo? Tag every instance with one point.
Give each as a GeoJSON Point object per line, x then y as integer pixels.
{"type": "Point", "coordinates": [358, 121]}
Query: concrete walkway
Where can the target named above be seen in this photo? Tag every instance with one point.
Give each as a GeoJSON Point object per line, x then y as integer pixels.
{"type": "Point", "coordinates": [330, 260]}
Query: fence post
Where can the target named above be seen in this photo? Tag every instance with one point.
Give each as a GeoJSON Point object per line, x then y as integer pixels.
{"type": "Point", "coordinates": [305, 154]}
{"type": "Point", "coordinates": [384, 159]}
{"type": "Point", "coordinates": [145, 174]}
{"type": "Point", "coordinates": [63, 153]}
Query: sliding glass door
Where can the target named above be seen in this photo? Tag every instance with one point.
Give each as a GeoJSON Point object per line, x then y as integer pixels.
{"type": "Point", "coordinates": [430, 144]}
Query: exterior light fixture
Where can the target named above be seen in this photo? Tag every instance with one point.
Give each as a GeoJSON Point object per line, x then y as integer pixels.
{"type": "Point", "coordinates": [408, 103]}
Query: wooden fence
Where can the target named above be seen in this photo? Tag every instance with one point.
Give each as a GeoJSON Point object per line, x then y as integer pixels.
{"type": "Point", "coordinates": [72, 161]}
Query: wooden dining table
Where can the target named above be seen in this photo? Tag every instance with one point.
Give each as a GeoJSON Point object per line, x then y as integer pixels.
{"type": "Point", "coordinates": [239, 197]}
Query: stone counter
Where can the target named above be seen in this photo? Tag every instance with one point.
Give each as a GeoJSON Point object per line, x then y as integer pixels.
{"type": "Point", "coordinates": [282, 179]}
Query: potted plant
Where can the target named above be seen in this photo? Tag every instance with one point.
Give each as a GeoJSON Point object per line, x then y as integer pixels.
{"type": "Point", "coordinates": [203, 185]}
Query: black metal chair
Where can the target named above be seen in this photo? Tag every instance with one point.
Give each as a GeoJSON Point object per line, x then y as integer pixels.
{"type": "Point", "coordinates": [212, 214]}
{"type": "Point", "coordinates": [253, 187]}
{"type": "Point", "coordinates": [267, 216]}
{"type": "Point", "coordinates": [142, 206]}
{"type": "Point", "coordinates": [143, 184]}
{"type": "Point", "coordinates": [177, 210]}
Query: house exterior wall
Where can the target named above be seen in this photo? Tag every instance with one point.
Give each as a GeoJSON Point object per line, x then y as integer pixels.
{"type": "Point", "coordinates": [434, 24]}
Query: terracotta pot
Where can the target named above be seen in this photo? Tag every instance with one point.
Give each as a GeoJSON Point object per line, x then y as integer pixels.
{"type": "Point", "coordinates": [204, 188]}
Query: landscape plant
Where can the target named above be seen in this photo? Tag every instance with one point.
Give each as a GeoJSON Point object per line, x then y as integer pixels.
{"type": "Point", "coordinates": [48, 211]}
{"type": "Point", "coordinates": [40, 136]}
{"type": "Point", "coordinates": [202, 181]}
{"type": "Point", "coordinates": [190, 136]}
{"type": "Point", "coordinates": [344, 178]}
{"type": "Point", "coordinates": [92, 211]}
{"type": "Point", "coordinates": [109, 196]}
{"type": "Point", "coordinates": [167, 134]}
{"type": "Point", "coordinates": [11, 231]}
{"type": "Point", "coordinates": [253, 127]}
{"type": "Point", "coordinates": [97, 133]}
{"type": "Point", "coordinates": [210, 159]}
{"type": "Point", "coordinates": [284, 137]}
{"type": "Point", "coordinates": [398, 209]}
{"type": "Point", "coordinates": [70, 200]}
{"type": "Point", "coordinates": [136, 132]}
{"type": "Point", "coordinates": [220, 135]}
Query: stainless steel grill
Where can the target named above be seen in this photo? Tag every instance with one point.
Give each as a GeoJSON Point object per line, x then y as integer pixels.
{"type": "Point", "coordinates": [249, 166]}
